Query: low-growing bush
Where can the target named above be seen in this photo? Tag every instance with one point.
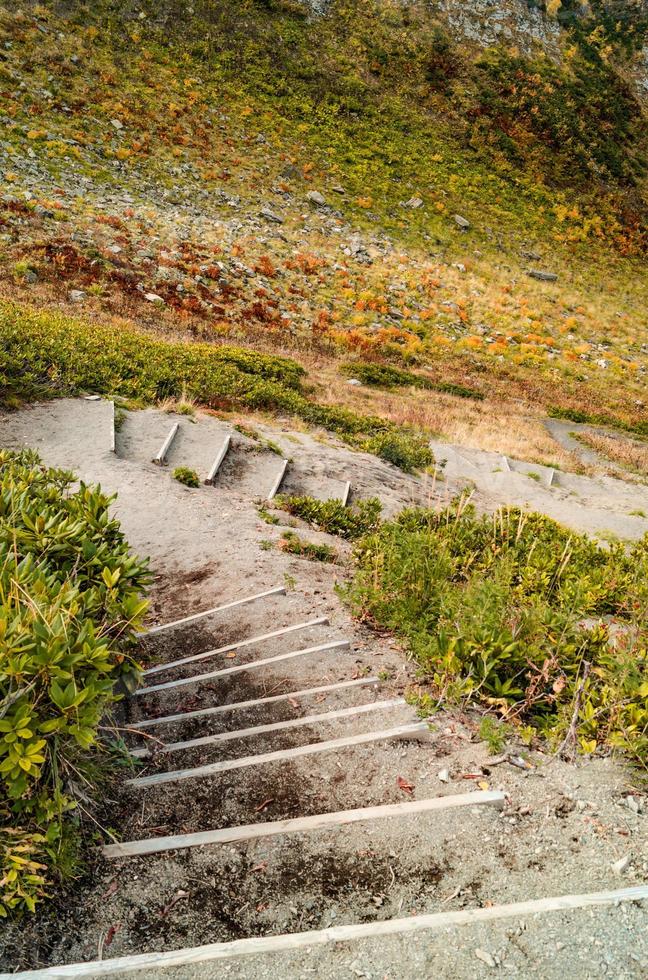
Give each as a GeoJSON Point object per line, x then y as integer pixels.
{"type": "Point", "coordinates": [385, 376]}
{"type": "Point", "coordinates": [186, 476]}
{"type": "Point", "coordinates": [408, 451]}
{"type": "Point", "coordinates": [48, 355]}
{"type": "Point", "coordinates": [333, 516]}
{"type": "Point", "coordinates": [294, 545]}
{"type": "Point", "coordinates": [507, 609]}
{"type": "Point", "coordinates": [70, 599]}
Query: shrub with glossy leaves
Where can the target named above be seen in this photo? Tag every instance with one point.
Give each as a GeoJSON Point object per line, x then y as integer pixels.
{"type": "Point", "coordinates": [70, 599]}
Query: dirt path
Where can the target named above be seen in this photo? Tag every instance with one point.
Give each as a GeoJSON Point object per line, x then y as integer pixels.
{"type": "Point", "coordinates": [562, 830]}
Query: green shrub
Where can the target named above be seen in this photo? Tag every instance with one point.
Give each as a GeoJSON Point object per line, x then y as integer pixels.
{"type": "Point", "coordinates": [333, 516]}
{"type": "Point", "coordinates": [186, 476]}
{"type": "Point", "coordinates": [498, 607]}
{"type": "Point", "coordinates": [408, 451]}
{"type": "Point", "coordinates": [70, 598]}
{"type": "Point", "coordinates": [47, 355]}
{"type": "Point", "coordinates": [295, 545]}
{"type": "Point", "coordinates": [385, 376]}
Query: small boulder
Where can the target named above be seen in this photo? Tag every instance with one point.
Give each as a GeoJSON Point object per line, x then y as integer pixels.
{"type": "Point", "coordinates": [271, 216]}
{"type": "Point", "coordinates": [153, 298]}
{"type": "Point", "coordinates": [543, 276]}
{"type": "Point", "coordinates": [316, 198]}
{"type": "Point", "coordinates": [76, 296]}
{"type": "Point", "coordinates": [116, 124]}
{"type": "Point", "coordinates": [414, 202]}
{"type": "Point", "coordinates": [461, 222]}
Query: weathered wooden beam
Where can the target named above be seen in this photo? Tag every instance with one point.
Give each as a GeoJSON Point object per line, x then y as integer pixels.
{"type": "Point", "coordinates": [277, 726]}
{"type": "Point", "coordinates": [218, 709]}
{"type": "Point", "coordinates": [250, 641]}
{"type": "Point", "coordinates": [434, 921]}
{"type": "Point", "coordinates": [281, 755]}
{"type": "Point", "coordinates": [226, 671]}
{"type": "Point", "coordinates": [299, 825]}
{"type": "Point", "coordinates": [277, 483]}
{"type": "Point", "coordinates": [216, 465]}
{"type": "Point", "coordinates": [278, 590]}
{"type": "Point", "coordinates": [166, 445]}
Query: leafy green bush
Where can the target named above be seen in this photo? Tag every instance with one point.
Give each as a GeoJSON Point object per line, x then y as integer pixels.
{"type": "Point", "coordinates": [186, 476]}
{"type": "Point", "coordinates": [70, 598]}
{"type": "Point", "coordinates": [385, 376]}
{"type": "Point", "coordinates": [500, 608]}
{"type": "Point", "coordinates": [46, 354]}
{"type": "Point", "coordinates": [333, 516]}
{"type": "Point", "coordinates": [295, 545]}
{"type": "Point", "coordinates": [407, 450]}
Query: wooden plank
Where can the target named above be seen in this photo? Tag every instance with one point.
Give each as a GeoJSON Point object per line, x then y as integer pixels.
{"type": "Point", "coordinates": [225, 671]}
{"type": "Point", "coordinates": [300, 825]}
{"type": "Point", "coordinates": [278, 590]}
{"type": "Point", "coordinates": [277, 726]}
{"type": "Point", "coordinates": [277, 483]}
{"type": "Point", "coordinates": [313, 748]}
{"type": "Point", "coordinates": [166, 445]}
{"type": "Point", "coordinates": [216, 465]}
{"type": "Point", "coordinates": [218, 709]}
{"type": "Point", "coordinates": [250, 641]}
{"type": "Point", "coordinates": [112, 427]}
{"type": "Point", "coordinates": [434, 921]}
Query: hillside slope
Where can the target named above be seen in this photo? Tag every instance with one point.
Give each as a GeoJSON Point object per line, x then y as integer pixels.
{"type": "Point", "coordinates": [352, 183]}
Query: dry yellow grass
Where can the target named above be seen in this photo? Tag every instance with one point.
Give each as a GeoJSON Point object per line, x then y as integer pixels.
{"type": "Point", "coordinates": [494, 426]}
{"type": "Point", "coordinates": [625, 452]}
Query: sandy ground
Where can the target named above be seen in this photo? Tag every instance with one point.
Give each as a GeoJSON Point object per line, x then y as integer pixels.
{"type": "Point", "coordinates": [562, 830]}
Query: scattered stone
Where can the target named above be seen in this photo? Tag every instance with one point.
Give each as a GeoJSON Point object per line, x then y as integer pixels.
{"type": "Point", "coordinates": [486, 958]}
{"type": "Point", "coordinates": [444, 776]}
{"type": "Point", "coordinates": [531, 256]}
{"type": "Point", "coordinates": [116, 124]}
{"type": "Point", "coordinates": [414, 202]}
{"type": "Point", "coordinates": [622, 865]}
{"type": "Point", "coordinates": [338, 190]}
{"type": "Point", "coordinates": [461, 222]}
{"type": "Point", "coordinates": [76, 296]}
{"type": "Point", "coordinates": [543, 276]}
{"type": "Point", "coordinates": [633, 804]}
{"type": "Point", "coordinates": [271, 216]}
{"type": "Point", "coordinates": [354, 381]}
{"type": "Point", "coordinates": [316, 198]}
{"type": "Point", "coordinates": [153, 298]}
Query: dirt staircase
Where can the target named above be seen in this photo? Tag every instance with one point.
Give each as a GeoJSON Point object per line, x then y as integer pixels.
{"type": "Point", "coordinates": [289, 814]}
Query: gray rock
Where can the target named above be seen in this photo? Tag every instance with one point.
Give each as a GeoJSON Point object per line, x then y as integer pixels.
{"type": "Point", "coordinates": [414, 202]}
{"type": "Point", "coordinates": [543, 276]}
{"type": "Point", "coordinates": [271, 216]}
{"type": "Point", "coordinates": [354, 381]}
{"type": "Point", "coordinates": [116, 124]}
{"type": "Point", "coordinates": [76, 296]}
{"type": "Point", "coordinates": [316, 198]}
{"type": "Point", "coordinates": [153, 298]}
{"type": "Point", "coordinates": [461, 222]}
{"type": "Point", "coordinates": [485, 958]}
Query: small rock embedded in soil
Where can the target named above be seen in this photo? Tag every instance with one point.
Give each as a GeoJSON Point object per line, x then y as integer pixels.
{"type": "Point", "coordinates": [486, 958]}
{"type": "Point", "coordinates": [461, 222]}
{"type": "Point", "coordinates": [271, 216]}
{"type": "Point", "coordinates": [622, 865]}
{"type": "Point", "coordinates": [316, 198]}
{"type": "Point", "coordinates": [76, 296]}
{"type": "Point", "coordinates": [543, 276]}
